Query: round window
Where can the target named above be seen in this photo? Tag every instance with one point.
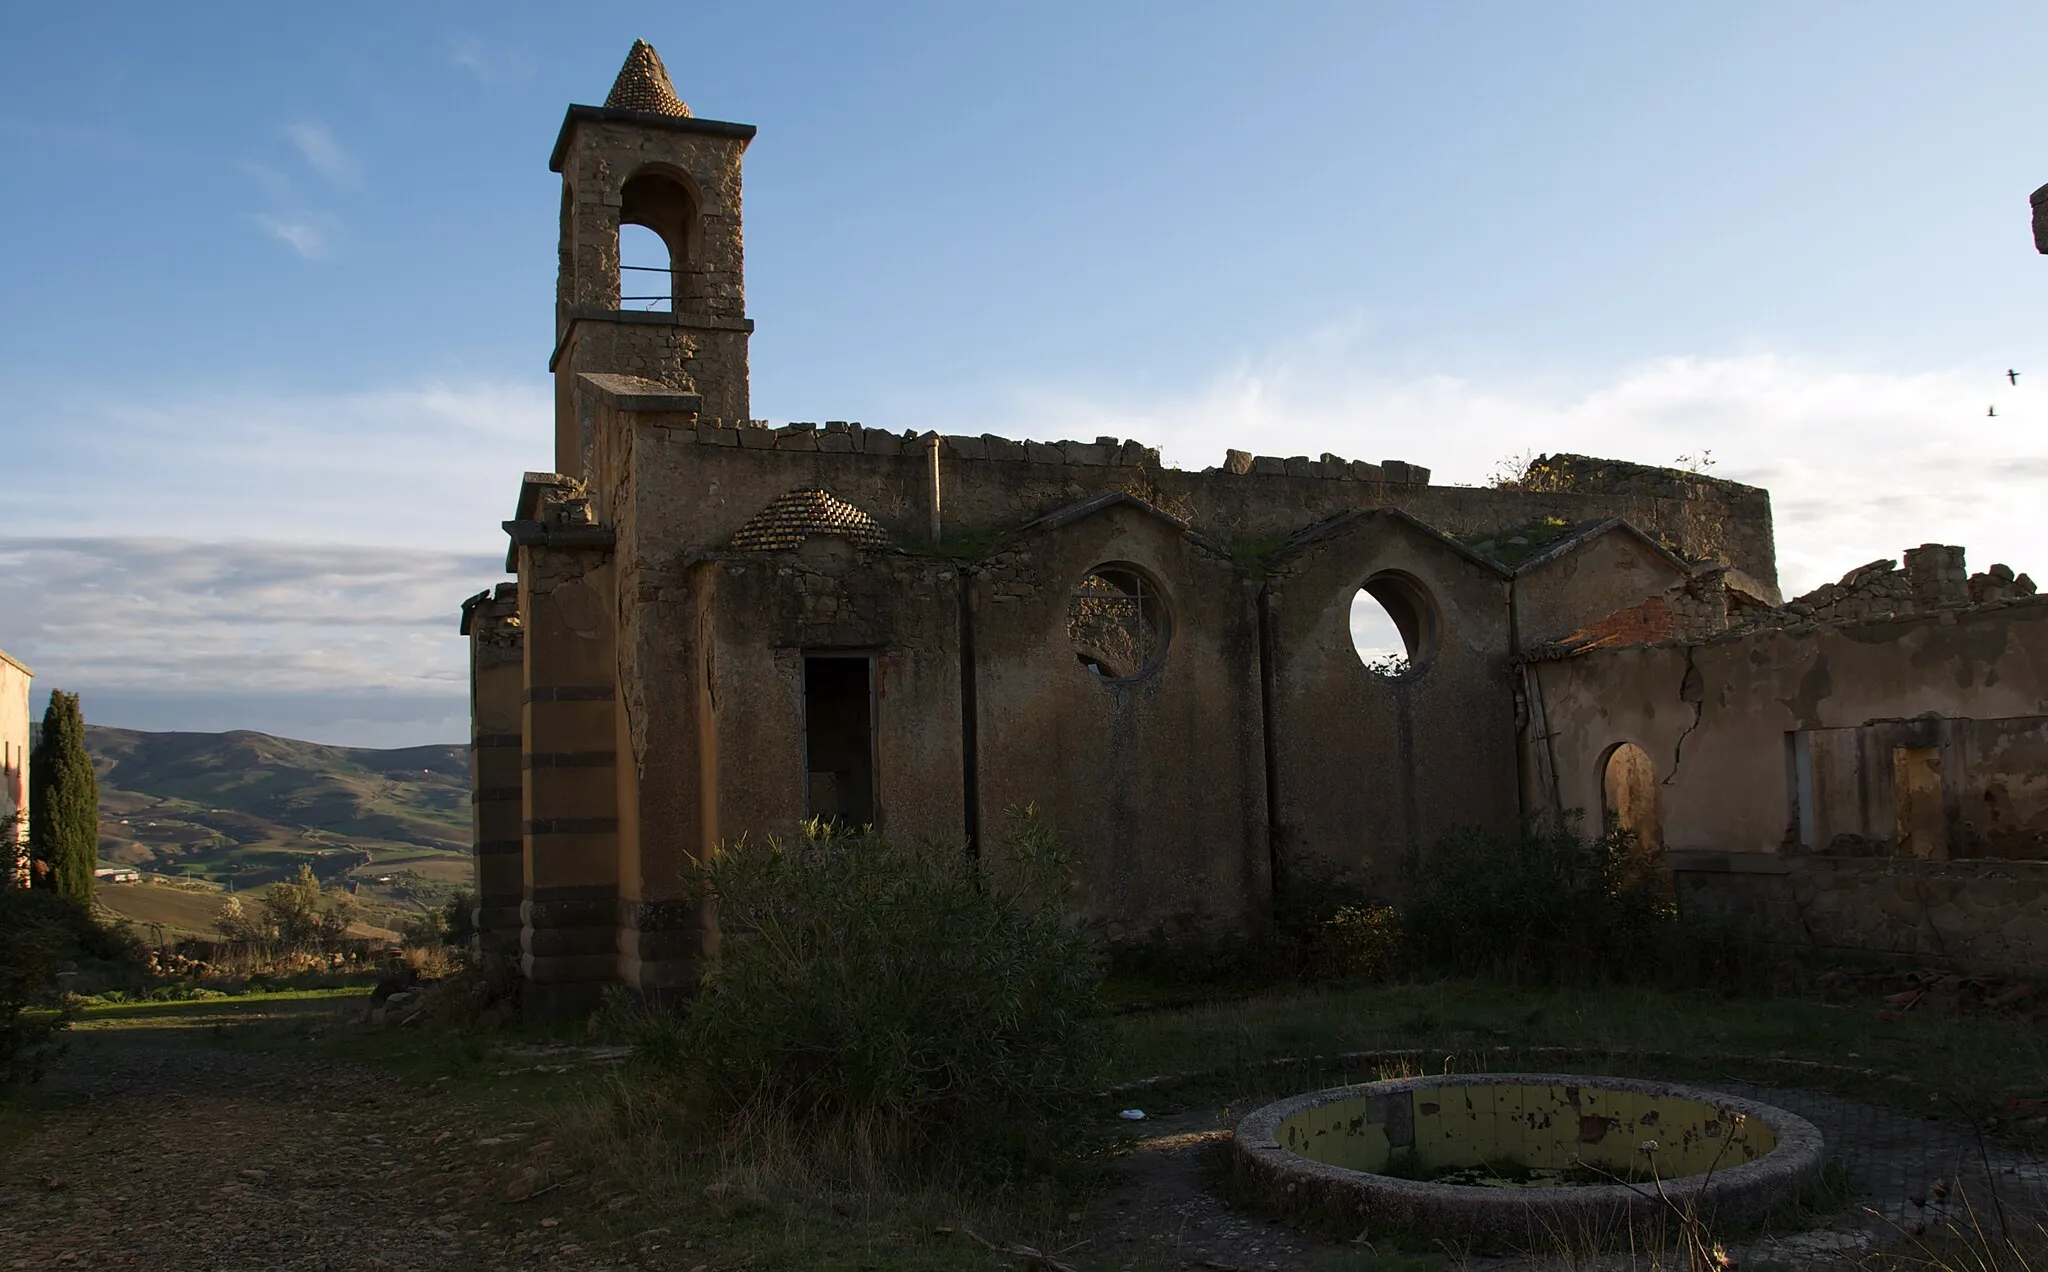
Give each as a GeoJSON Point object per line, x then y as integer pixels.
{"type": "Point", "coordinates": [1393, 626]}
{"type": "Point", "coordinates": [1116, 617]}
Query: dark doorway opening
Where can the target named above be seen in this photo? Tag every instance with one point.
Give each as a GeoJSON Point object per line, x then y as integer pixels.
{"type": "Point", "coordinates": [839, 738]}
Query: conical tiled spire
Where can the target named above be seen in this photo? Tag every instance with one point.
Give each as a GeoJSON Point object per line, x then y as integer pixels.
{"type": "Point", "coordinates": [643, 85]}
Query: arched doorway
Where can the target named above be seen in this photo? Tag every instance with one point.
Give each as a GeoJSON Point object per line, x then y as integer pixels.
{"type": "Point", "coordinates": [1628, 796]}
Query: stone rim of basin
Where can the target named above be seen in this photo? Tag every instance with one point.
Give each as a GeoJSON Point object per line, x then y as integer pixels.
{"type": "Point", "coordinates": [1736, 1193]}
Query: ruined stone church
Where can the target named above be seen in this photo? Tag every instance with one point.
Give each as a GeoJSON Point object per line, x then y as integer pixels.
{"type": "Point", "coordinates": [721, 628]}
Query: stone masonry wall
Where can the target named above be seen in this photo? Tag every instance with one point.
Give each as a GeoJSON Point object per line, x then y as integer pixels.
{"type": "Point", "coordinates": [1977, 916]}
{"type": "Point", "coordinates": [1934, 578]}
{"type": "Point", "coordinates": [1715, 518]}
{"type": "Point", "coordinates": [715, 478]}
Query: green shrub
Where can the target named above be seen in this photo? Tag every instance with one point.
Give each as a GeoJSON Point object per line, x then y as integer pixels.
{"type": "Point", "coordinates": [296, 915]}
{"type": "Point", "coordinates": [458, 920]}
{"type": "Point", "coordinates": [1358, 942]}
{"type": "Point", "coordinates": [895, 991]}
{"type": "Point", "coordinates": [1548, 903]}
{"type": "Point", "coordinates": [39, 935]}
{"type": "Point", "coordinates": [1325, 928]}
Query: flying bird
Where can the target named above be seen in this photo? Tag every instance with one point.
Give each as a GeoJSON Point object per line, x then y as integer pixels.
{"type": "Point", "coordinates": [2014, 376]}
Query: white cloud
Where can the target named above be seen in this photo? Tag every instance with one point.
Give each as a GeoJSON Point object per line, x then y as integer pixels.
{"type": "Point", "coordinates": [334, 642]}
{"type": "Point", "coordinates": [305, 237]}
{"type": "Point", "coordinates": [242, 617]}
{"type": "Point", "coordinates": [425, 466]}
{"type": "Point", "coordinates": [274, 183]}
{"type": "Point", "coordinates": [348, 529]}
{"type": "Point", "coordinates": [489, 64]}
{"type": "Point", "coordinates": [1860, 464]}
{"type": "Point", "coordinates": [318, 146]}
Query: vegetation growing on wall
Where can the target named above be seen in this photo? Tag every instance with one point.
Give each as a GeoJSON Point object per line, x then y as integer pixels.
{"type": "Point", "coordinates": [970, 544]}
{"type": "Point", "coordinates": [1144, 484]}
{"type": "Point", "coordinates": [1256, 556]}
{"type": "Point", "coordinates": [1515, 544]}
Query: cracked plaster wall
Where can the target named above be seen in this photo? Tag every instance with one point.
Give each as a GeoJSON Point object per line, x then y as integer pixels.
{"type": "Point", "coordinates": [1972, 683]}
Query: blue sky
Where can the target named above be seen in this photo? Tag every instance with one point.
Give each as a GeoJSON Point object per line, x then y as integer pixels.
{"type": "Point", "coordinates": [278, 280]}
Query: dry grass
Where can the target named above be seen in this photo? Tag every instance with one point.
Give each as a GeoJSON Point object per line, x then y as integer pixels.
{"type": "Point", "coordinates": [1985, 1239]}
{"type": "Point", "coordinates": [810, 1196]}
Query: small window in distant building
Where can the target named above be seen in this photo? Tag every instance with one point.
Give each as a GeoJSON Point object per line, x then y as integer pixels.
{"type": "Point", "coordinates": [1117, 619]}
{"type": "Point", "coordinates": [1393, 625]}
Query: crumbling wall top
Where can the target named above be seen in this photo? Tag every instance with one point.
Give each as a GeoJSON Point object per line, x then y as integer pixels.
{"type": "Point", "coordinates": [1718, 602]}
{"type": "Point", "coordinates": [1588, 474]}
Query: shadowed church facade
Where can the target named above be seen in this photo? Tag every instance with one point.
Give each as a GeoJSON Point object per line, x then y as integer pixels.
{"type": "Point", "coordinates": [720, 628]}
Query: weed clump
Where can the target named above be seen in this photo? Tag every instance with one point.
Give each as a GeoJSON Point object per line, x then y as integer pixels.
{"type": "Point", "coordinates": [1548, 904]}
{"type": "Point", "coordinates": [898, 993]}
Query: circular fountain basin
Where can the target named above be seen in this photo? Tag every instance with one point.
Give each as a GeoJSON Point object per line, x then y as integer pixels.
{"type": "Point", "coordinates": [1521, 1155]}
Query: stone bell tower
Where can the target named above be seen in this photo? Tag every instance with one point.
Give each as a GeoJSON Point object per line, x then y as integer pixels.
{"type": "Point", "coordinates": [643, 159]}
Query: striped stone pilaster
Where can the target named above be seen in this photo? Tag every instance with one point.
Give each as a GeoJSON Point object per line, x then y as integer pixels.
{"type": "Point", "coordinates": [569, 819]}
{"type": "Point", "coordinates": [496, 674]}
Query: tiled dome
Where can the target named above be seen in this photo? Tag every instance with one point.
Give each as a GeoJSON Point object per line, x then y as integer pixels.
{"type": "Point", "coordinates": [798, 515]}
{"type": "Point", "coordinates": [643, 85]}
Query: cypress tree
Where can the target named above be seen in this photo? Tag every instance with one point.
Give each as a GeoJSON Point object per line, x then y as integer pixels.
{"type": "Point", "coordinates": [64, 803]}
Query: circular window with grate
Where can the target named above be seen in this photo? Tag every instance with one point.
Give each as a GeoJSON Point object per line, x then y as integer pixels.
{"type": "Point", "coordinates": [1117, 619]}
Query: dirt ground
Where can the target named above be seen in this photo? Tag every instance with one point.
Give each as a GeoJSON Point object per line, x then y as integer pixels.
{"type": "Point", "coordinates": [182, 1147]}
{"type": "Point", "coordinates": [154, 1150]}
{"type": "Point", "coordinates": [149, 1149]}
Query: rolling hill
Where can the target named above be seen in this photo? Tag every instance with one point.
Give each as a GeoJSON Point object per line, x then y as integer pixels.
{"type": "Point", "coordinates": [242, 810]}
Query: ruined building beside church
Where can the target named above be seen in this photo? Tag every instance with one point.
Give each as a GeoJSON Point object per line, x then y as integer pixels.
{"type": "Point", "coordinates": [722, 628]}
{"type": "Point", "coordinates": [14, 747]}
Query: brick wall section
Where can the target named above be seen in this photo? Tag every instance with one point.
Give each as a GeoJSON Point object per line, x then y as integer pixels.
{"type": "Point", "coordinates": [1933, 580]}
{"type": "Point", "coordinates": [1644, 623]}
